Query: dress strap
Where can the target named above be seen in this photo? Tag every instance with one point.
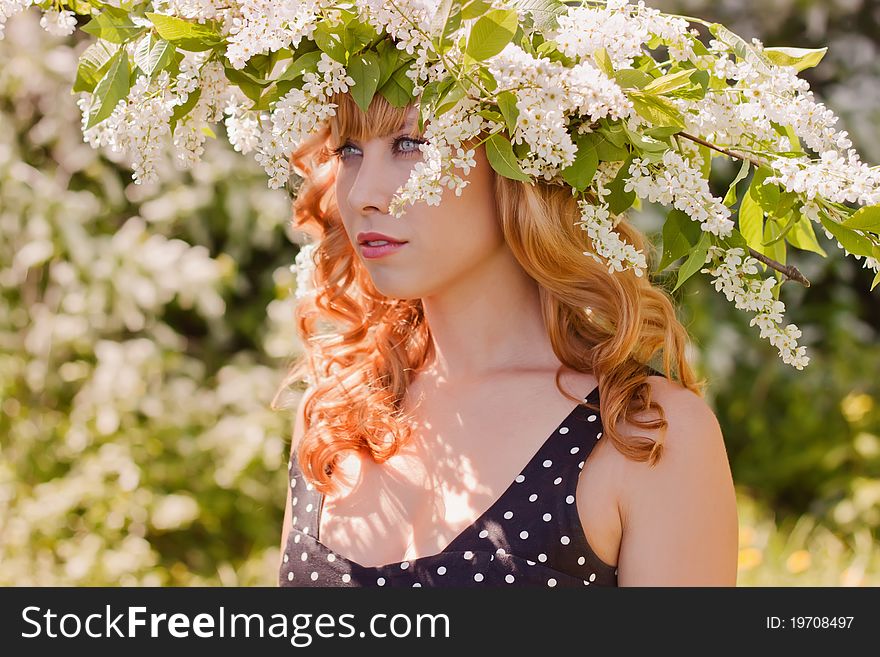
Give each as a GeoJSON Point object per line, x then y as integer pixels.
{"type": "Point", "coordinates": [305, 501]}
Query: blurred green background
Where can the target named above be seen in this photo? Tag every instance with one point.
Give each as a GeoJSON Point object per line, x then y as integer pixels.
{"type": "Point", "coordinates": [145, 329]}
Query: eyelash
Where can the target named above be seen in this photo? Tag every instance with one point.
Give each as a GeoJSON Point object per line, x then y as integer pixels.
{"type": "Point", "coordinates": [337, 152]}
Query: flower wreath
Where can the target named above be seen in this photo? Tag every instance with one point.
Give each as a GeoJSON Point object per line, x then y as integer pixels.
{"type": "Point", "coordinates": [619, 101]}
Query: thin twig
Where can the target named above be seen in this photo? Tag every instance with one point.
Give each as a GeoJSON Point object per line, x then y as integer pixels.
{"type": "Point", "coordinates": [739, 156]}
{"type": "Point", "coordinates": [786, 270]}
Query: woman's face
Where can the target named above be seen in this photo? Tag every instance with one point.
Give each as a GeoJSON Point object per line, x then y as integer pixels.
{"type": "Point", "coordinates": [443, 243]}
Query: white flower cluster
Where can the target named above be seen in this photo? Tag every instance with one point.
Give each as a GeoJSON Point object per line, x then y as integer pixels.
{"type": "Point", "coordinates": [58, 23]}
{"type": "Point", "coordinates": [679, 182]}
{"type": "Point", "coordinates": [607, 243]}
{"type": "Point", "coordinates": [622, 32]}
{"type": "Point", "coordinates": [545, 93]}
{"type": "Point", "coordinates": [441, 155]}
{"type": "Point", "coordinates": [299, 113]}
{"type": "Point", "coordinates": [776, 93]}
{"type": "Point", "coordinates": [734, 276]}
{"type": "Point", "coordinates": [8, 8]}
{"type": "Point", "coordinates": [189, 134]}
{"type": "Point", "coordinates": [304, 267]}
{"type": "Point", "coordinates": [259, 27]}
{"type": "Point", "coordinates": [138, 124]}
{"type": "Point", "coordinates": [835, 177]}
{"type": "Point", "coordinates": [242, 126]}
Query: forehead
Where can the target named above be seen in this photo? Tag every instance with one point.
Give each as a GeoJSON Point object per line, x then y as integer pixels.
{"type": "Point", "coordinates": [382, 118]}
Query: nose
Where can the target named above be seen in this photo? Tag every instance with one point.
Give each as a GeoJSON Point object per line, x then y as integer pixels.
{"type": "Point", "coordinates": [373, 187]}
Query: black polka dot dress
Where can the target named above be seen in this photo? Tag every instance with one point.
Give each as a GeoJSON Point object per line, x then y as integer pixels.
{"type": "Point", "coordinates": [530, 536]}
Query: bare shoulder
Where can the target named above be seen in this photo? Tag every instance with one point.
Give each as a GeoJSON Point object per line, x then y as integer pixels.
{"type": "Point", "coordinates": [679, 519]}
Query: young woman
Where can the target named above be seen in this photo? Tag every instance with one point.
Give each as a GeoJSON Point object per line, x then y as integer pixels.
{"type": "Point", "coordinates": [480, 409]}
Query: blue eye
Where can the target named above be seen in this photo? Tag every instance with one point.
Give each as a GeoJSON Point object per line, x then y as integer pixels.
{"type": "Point", "coordinates": [340, 153]}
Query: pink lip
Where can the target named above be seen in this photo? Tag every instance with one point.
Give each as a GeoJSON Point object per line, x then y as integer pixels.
{"type": "Point", "coordinates": [381, 251]}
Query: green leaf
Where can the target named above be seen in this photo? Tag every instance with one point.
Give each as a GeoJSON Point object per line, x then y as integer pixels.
{"type": "Point", "coordinates": [695, 261]}
{"type": "Point", "coordinates": [364, 69]}
{"type": "Point", "coordinates": [182, 110]}
{"type": "Point", "coordinates": [446, 21]}
{"type": "Point", "coordinates": [603, 61]}
{"type": "Point", "coordinates": [620, 201]}
{"type": "Point", "coordinates": [544, 12]}
{"type": "Point", "coordinates": [800, 58]}
{"type": "Point", "coordinates": [670, 82]}
{"type": "Point", "coordinates": [680, 234]}
{"type": "Point", "coordinates": [773, 249]}
{"type": "Point", "coordinates": [851, 240]}
{"type": "Point", "coordinates": [631, 78]}
{"type": "Point", "coordinates": [114, 25]}
{"type": "Point", "coordinates": [474, 8]}
{"type": "Point", "coordinates": [607, 150]}
{"type": "Point", "coordinates": [730, 198]}
{"type": "Point", "coordinates": [507, 104]}
{"type": "Point", "coordinates": [741, 48]}
{"type": "Point", "coordinates": [152, 54]}
{"type": "Point", "coordinates": [491, 33]}
{"type": "Point", "coordinates": [875, 281]}
{"type": "Point", "coordinates": [93, 63]}
{"type": "Point", "coordinates": [867, 219]}
{"type": "Point", "coordinates": [656, 109]}
{"type": "Point", "coordinates": [803, 237]}
{"type": "Point", "coordinates": [112, 88]}
{"type": "Point", "coordinates": [751, 221]}
{"type": "Point", "coordinates": [184, 34]}
{"type": "Point", "coordinates": [399, 89]}
{"type": "Point", "coordinates": [499, 152]}
{"type": "Point", "coordinates": [305, 62]}
{"type": "Point", "coordinates": [356, 35]}
{"type": "Point", "coordinates": [580, 174]}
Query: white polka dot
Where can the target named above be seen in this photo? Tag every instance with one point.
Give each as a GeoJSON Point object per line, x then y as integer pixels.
{"type": "Point", "coordinates": [478, 577]}
{"type": "Point", "coordinates": [309, 487]}
{"type": "Point", "coordinates": [591, 418]}
{"type": "Point", "coordinates": [593, 577]}
{"type": "Point", "coordinates": [569, 499]}
{"type": "Point", "coordinates": [548, 463]}
{"type": "Point", "coordinates": [289, 576]}
{"type": "Point", "coordinates": [314, 576]}
{"type": "Point", "coordinates": [520, 478]}
{"type": "Point", "coordinates": [565, 540]}
{"type": "Point", "coordinates": [508, 515]}
{"type": "Point", "coordinates": [509, 579]}
{"type": "Point", "coordinates": [468, 554]}
{"type": "Point", "coordinates": [581, 561]}
{"type": "Point", "coordinates": [293, 483]}
{"type": "Point", "coordinates": [294, 501]}
{"type": "Point", "coordinates": [557, 481]}
{"type": "Point", "coordinates": [346, 578]}
{"type": "Point", "coordinates": [563, 430]}
{"type": "Point", "coordinates": [309, 507]}
{"type": "Point", "coordinates": [530, 562]}
{"type": "Point", "coordinates": [484, 533]}
{"type": "Point", "coordinates": [551, 582]}
{"type": "Point", "coordinates": [523, 534]}
{"type": "Point", "coordinates": [296, 538]}
{"type": "Point", "coordinates": [598, 435]}
{"type": "Point", "coordinates": [289, 465]}
{"type": "Point", "coordinates": [533, 497]}
{"type": "Point", "coordinates": [381, 581]}
{"type": "Point", "coordinates": [491, 557]}
{"type": "Point", "coordinates": [547, 517]}
{"type": "Point", "coordinates": [295, 520]}
{"type": "Point", "coordinates": [542, 557]}
{"type": "Point", "coordinates": [417, 585]}
{"type": "Point", "coordinates": [581, 465]}
{"type": "Point", "coordinates": [501, 551]}
{"type": "Point", "coordinates": [331, 557]}
{"type": "Point", "coordinates": [305, 555]}
{"type": "Point", "coordinates": [305, 530]}
{"type": "Point", "coordinates": [286, 558]}
{"type": "Point", "coordinates": [586, 583]}
{"type": "Point", "coordinates": [404, 565]}
{"type": "Point", "coordinates": [574, 450]}
{"type": "Point", "coordinates": [441, 570]}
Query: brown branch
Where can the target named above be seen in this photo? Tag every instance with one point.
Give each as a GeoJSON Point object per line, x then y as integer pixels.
{"type": "Point", "coordinates": [734, 154]}
{"type": "Point", "coordinates": [787, 270]}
